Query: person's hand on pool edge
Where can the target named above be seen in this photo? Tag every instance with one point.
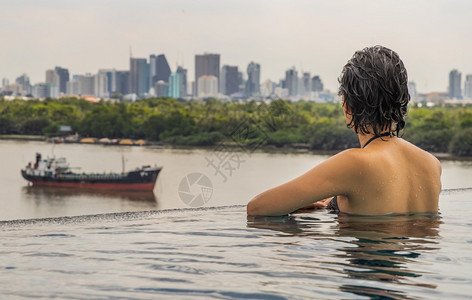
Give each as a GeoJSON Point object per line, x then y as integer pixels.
{"type": "Point", "coordinates": [314, 206]}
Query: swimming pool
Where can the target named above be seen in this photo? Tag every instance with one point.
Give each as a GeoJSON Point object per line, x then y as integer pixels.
{"type": "Point", "coordinates": [221, 253]}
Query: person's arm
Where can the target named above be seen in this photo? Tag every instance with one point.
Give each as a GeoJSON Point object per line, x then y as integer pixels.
{"type": "Point", "coordinates": [330, 178]}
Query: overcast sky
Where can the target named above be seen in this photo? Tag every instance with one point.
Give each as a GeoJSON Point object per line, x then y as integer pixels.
{"type": "Point", "coordinates": [431, 36]}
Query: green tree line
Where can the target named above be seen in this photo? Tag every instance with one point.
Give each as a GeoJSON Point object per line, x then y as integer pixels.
{"type": "Point", "coordinates": [319, 126]}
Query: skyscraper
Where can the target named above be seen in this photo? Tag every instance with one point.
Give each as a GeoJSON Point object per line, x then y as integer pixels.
{"type": "Point", "coordinates": [139, 76]}
{"type": "Point", "coordinates": [52, 77]}
{"type": "Point", "coordinates": [163, 69]}
{"type": "Point", "coordinates": [152, 69]}
{"type": "Point", "coordinates": [316, 84]}
{"type": "Point", "coordinates": [291, 82]}
{"type": "Point", "coordinates": [122, 82]}
{"type": "Point", "coordinates": [253, 84]}
{"type": "Point", "coordinates": [305, 84]}
{"type": "Point", "coordinates": [25, 84]}
{"type": "Point", "coordinates": [468, 86]}
{"type": "Point", "coordinates": [455, 84]}
{"type": "Point", "coordinates": [110, 74]}
{"type": "Point", "coordinates": [206, 65]}
{"type": "Point", "coordinates": [72, 87]}
{"type": "Point", "coordinates": [101, 85]}
{"type": "Point", "coordinates": [182, 81]}
{"type": "Point", "coordinates": [412, 89]}
{"type": "Point", "coordinates": [63, 78]}
{"type": "Point", "coordinates": [86, 84]}
{"type": "Point", "coordinates": [229, 83]}
{"type": "Point", "coordinates": [159, 69]}
{"type": "Point", "coordinates": [174, 85]}
{"type": "Point", "coordinates": [42, 90]}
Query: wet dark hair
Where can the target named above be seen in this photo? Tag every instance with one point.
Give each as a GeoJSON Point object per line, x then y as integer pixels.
{"type": "Point", "coordinates": [374, 83]}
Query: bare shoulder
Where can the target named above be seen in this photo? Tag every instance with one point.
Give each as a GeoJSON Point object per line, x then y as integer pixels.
{"type": "Point", "coordinates": [421, 156]}
{"type": "Point", "coordinates": [355, 157]}
{"type": "Point", "coordinates": [348, 163]}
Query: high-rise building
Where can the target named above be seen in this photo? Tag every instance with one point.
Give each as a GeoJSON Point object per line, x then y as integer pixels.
{"type": "Point", "coordinates": [122, 82]}
{"type": "Point", "coordinates": [174, 85]}
{"type": "Point", "coordinates": [72, 87]}
{"type": "Point", "coordinates": [110, 74]}
{"type": "Point", "coordinates": [52, 77]}
{"type": "Point", "coordinates": [207, 86]}
{"type": "Point", "coordinates": [229, 83]}
{"type": "Point", "coordinates": [86, 84]}
{"type": "Point", "coordinates": [291, 81]}
{"type": "Point", "coordinates": [139, 76]}
{"type": "Point", "coordinates": [40, 90]}
{"type": "Point", "coordinates": [253, 83]}
{"type": "Point", "coordinates": [158, 69]}
{"type": "Point", "coordinates": [5, 82]}
{"type": "Point", "coordinates": [282, 84]}
{"type": "Point", "coordinates": [468, 86]}
{"type": "Point", "coordinates": [182, 81]}
{"type": "Point", "coordinates": [101, 85]}
{"type": "Point", "coordinates": [412, 89]}
{"type": "Point", "coordinates": [25, 84]}
{"type": "Point", "coordinates": [455, 84]}
{"type": "Point", "coordinates": [316, 84]}
{"type": "Point", "coordinates": [163, 69]}
{"type": "Point", "coordinates": [63, 78]}
{"type": "Point", "coordinates": [305, 84]}
{"type": "Point", "coordinates": [152, 69]}
{"type": "Point", "coordinates": [45, 90]}
{"type": "Point", "coordinates": [206, 65]}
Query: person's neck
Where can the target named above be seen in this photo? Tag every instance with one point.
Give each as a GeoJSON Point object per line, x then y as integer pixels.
{"type": "Point", "coordinates": [365, 138]}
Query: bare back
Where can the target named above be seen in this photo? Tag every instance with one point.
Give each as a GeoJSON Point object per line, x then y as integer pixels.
{"type": "Point", "coordinates": [390, 175]}
{"type": "Point", "coordinates": [393, 176]}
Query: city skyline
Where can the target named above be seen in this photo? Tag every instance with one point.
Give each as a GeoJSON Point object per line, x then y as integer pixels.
{"type": "Point", "coordinates": [314, 36]}
{"type": "Point", "coordinates": [154, 78]}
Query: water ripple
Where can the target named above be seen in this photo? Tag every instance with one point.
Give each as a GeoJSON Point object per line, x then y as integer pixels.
{"type": "Point", "coordinates": [199, 253]}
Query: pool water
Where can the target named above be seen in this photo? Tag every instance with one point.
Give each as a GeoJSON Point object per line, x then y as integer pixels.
{"type": "Point", "coordinates": [222, 253]}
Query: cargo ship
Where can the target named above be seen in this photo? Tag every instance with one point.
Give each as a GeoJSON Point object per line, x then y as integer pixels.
{"type": "Point", "coordinates": [55, 172]}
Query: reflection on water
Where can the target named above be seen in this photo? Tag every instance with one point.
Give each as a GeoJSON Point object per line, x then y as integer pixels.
{"type": "Point", "coordinates": [376, 255]}
{"type": "Point", "coordinates": [384, 248]}
{"type": "Point", "coordinates": [220, 253]}
{"type": "Point", "coordinates": [47, 193]}
{"type": "Point", "coordinates": [56, 202]}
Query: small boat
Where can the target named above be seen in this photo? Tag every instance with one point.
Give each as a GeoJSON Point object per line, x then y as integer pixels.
{"type": "Point", "coordinates": [56, 172]}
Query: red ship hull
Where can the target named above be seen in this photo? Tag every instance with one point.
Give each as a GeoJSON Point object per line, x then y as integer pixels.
{"type": "Point", "coordinates": [138, 180]}
{"type": "Point", "coordinates": [101, 186]}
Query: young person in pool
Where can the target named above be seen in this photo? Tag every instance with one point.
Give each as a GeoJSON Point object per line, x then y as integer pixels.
{"type": "Point", "coordinates": [386, 174]}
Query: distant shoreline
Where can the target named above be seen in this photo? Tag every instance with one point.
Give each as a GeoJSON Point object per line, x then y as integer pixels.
{"type": "Point", "coordinates": [287, 149]}
{"type": "Point", "coordinates": [20, 137]}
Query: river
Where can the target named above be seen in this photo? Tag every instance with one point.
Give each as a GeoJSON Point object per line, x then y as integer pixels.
{"type": "Point", "coordinates": [222, 177]}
